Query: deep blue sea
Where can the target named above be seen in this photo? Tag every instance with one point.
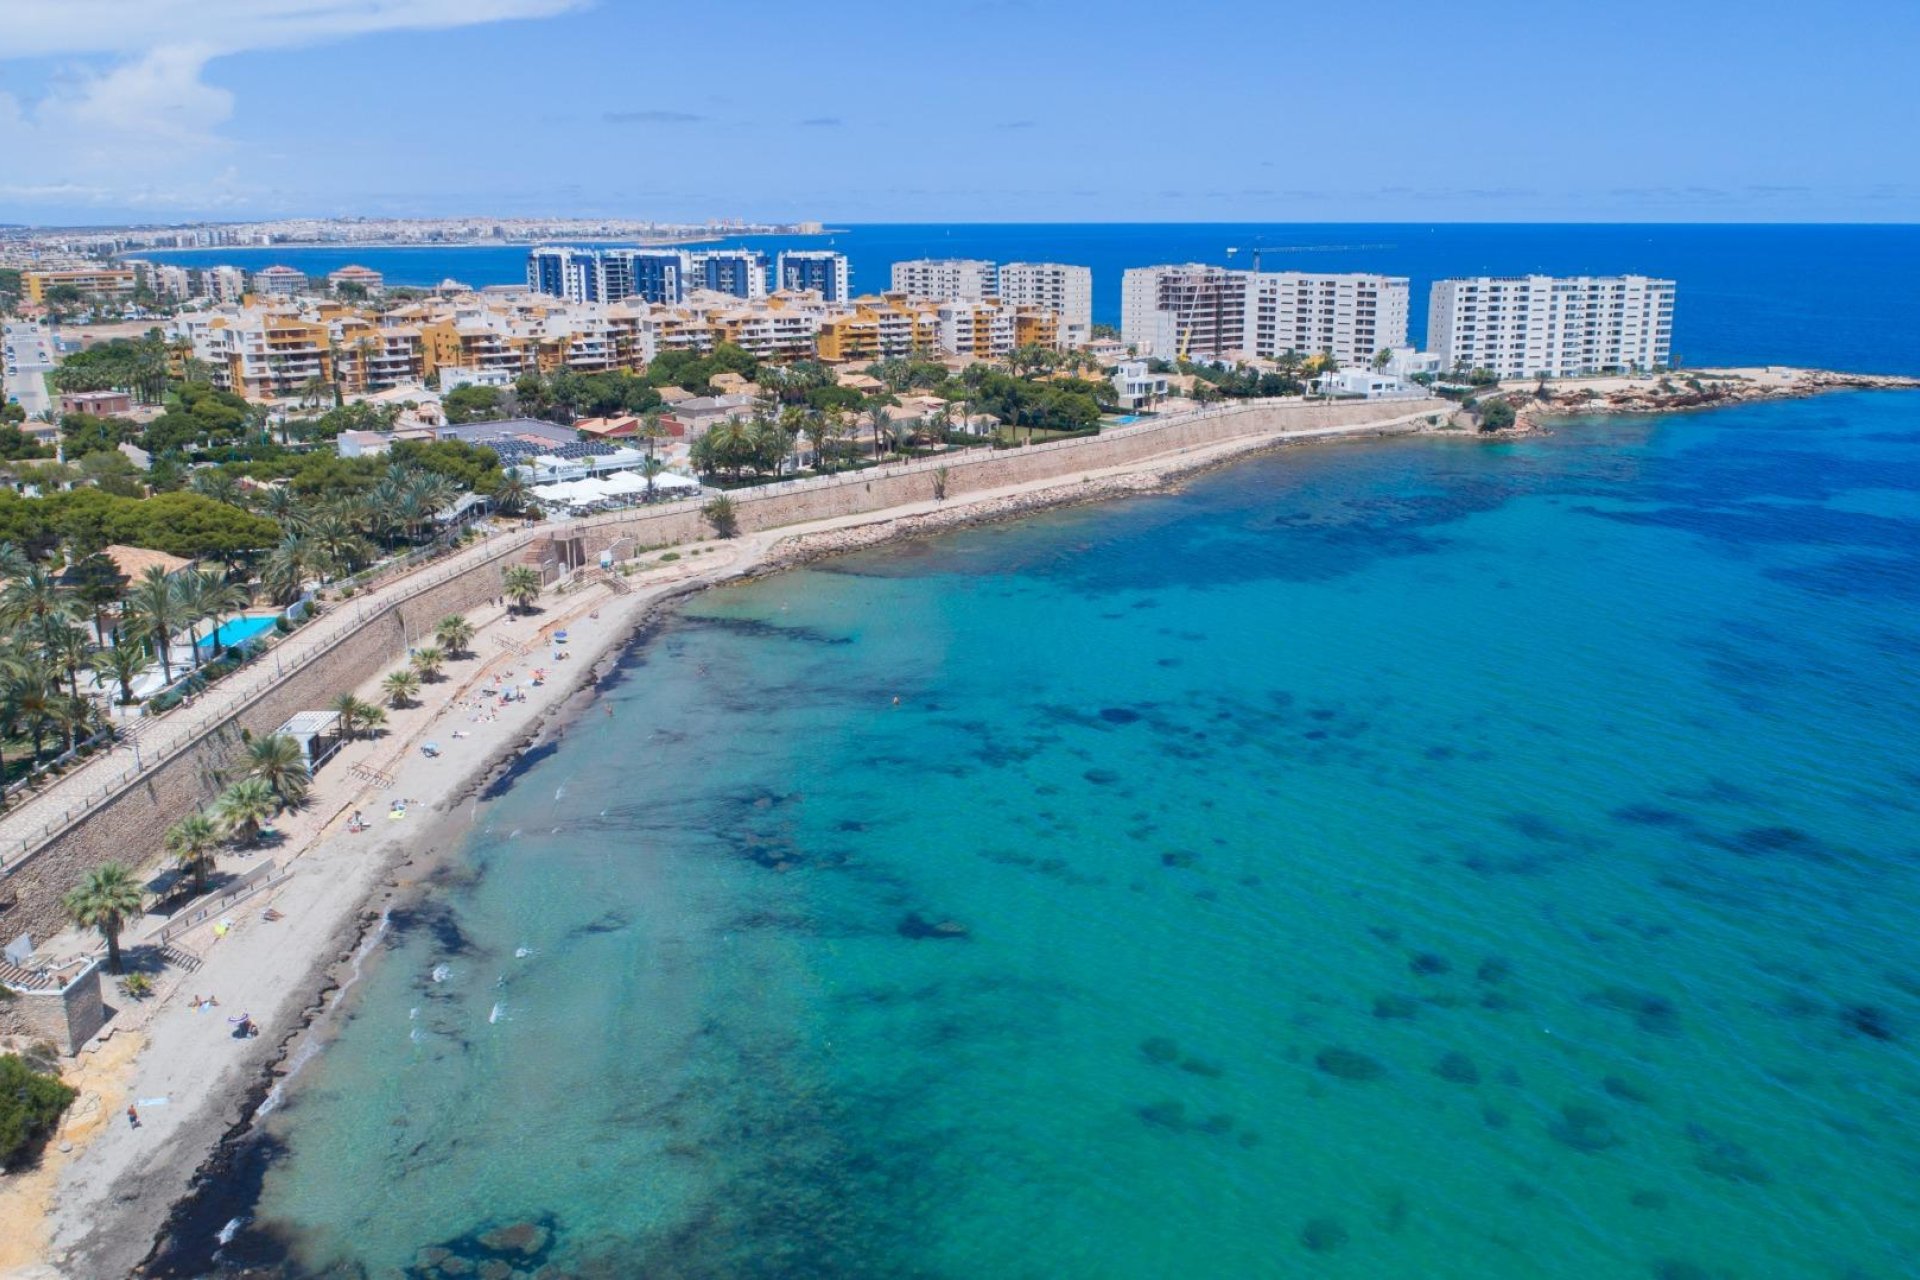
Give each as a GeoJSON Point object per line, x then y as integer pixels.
{"type": "Point", "coordinates": [1409, 859]}
{"type": "Point", "coordinates": [1840, 297]}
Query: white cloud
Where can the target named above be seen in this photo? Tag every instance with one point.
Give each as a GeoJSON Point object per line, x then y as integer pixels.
{"type": "Point", "coordinates": [130, 121]}
{"type": "Point", "coordinates": [42, 28]}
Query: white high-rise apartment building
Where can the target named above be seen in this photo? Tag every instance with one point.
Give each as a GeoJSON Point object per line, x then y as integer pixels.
{"type": "Point", "coordinates": [1209, 312]}
{"type": "Point", "coordinates": [947, 279]}
{"type": "Point", "coordinates": [1352, 316]}
{"type": "Point", "coordinates": [1056, 286]}
{"type": "Point", "coordinates": [1551, 326]}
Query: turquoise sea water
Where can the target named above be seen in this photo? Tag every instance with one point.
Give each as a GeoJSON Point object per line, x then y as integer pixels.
{"type": "Point", "coordinates": [1409, 859]}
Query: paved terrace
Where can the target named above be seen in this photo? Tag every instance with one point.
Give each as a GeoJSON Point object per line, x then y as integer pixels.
{"type": "Point", "coordinates": [38, 817]}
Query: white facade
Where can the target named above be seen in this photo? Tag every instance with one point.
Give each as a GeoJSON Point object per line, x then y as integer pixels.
{"type": "Point", "coordinates": [1551, 326]}
{"type": "Point", "coordinates": [1136, 387]}
{"type": "Point", "coordinates": [1207, 313]}
{"type": "Point", "coordinates": [279, 282]}
{"type": "Point", "coordinates": [1353, 316]}
{"type": "Point", "coordinates": [1056, 286]}
{"type": "Point", "coordinates": [947, 279]}
{"type": "Point", "coordinates": [453, 377]}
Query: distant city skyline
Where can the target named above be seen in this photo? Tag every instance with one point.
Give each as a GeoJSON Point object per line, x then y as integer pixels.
{"type": "Point", "coordinates": [1001, 110]}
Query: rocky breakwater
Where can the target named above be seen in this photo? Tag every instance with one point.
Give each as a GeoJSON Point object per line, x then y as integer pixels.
{"type": "Point", "coordinates": [1688, 389]}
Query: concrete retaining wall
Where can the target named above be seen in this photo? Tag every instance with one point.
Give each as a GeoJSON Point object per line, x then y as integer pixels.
{"type": "Point", "coordinates": [128, 827]}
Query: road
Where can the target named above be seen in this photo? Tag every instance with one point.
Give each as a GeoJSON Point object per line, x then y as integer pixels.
{"type": "Point", "coordinates": [26, 357]}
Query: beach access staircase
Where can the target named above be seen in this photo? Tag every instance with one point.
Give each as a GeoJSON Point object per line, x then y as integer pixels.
{"type": "Point", "coordinates": [36, 821]}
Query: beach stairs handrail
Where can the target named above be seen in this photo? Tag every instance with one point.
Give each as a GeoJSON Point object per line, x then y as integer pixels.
{"type": "Point", "coordinates": [512, 646]}
{"type": "Point", "coordinates": [372, 773]}
{"type": "Point", "coordinates": [179, 958]}
{"type": "Point", "coordinates": [615, 583]}
{"type": "Point", "coordinates": [264, 876]}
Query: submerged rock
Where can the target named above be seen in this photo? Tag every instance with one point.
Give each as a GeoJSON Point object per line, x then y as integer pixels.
{"type": "Point", "coordinates": [917, 926]}
{"type": "Point", "coordinates": [1429, 965]}
{"type": "Point", "coordinates": [1159, 1049]}
{"type": "Point", "coordinates": [1323, 1235]}
{"type": "Point", "coordinates": [1627, 1090]}
{"type": "Point", "coordinates": [1165, 1114]}
{"type": "Point", "coordinates": [1395, 1006]}
{"type": "Point", "coordinates": [1348, 1064]}
{"type": "Point", "coordinates": [1648, 1199]}
{"type": "Point", "coordinates": [1457, 1068]}
{"type": "Point", "coordinates": [519, 1237]}
{"type": "Point", "coordinates": [1583, 1128]}
{"type": "Point", "coordinates": [1868, 1021]}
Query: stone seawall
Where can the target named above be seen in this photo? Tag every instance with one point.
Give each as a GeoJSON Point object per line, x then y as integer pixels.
{"type": "Point", "coordinates": [128, 827]}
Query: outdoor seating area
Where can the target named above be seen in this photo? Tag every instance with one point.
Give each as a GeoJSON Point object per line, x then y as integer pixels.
{"type": "Point", "coordinates": [610, 492]}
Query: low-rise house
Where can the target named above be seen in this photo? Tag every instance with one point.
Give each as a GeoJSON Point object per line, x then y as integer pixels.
{"type": "Point", "coordinates": [362, 444]}
{"type": "Point", "coordinates": [617, 428]}
{"type": "Point", "coordinates": [99, 403]}
{"type": "Point", "coordinates": [692, 418]}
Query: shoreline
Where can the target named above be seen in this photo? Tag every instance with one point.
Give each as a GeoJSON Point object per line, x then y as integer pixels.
{"type": "Point", "coordinates": [1684, 391]}
{"type": "Point", "coordinates": [202, 1170]}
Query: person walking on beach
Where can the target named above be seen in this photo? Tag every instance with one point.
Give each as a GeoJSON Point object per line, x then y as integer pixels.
{"type": "Point", "coordinates": [133, 1117]}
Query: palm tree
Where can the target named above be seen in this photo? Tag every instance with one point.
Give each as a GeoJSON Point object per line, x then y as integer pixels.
{"type": "Point", "coordinates": [651, 467]}
{"type": "Point", "coordinates": [349, 709]}
{"type": "Point", "coordinates": [245, 807]}
{"type": "Point", "coordinates": [67, 649]}
{"type": "Point", "coordinates": [399, 687]}
{"type": "Point", "coordinates": [453, 633]}
{"type": "Point", "coordinates": [191, 843]}
{"type": "Point", "coordinates": [297, 559]}
{"type": "Point", "coordinates": [427, 662]}
{"type": "Point", "coordinates": [105, 900]}
{"type": "Point", "coordinates": [211, 596]}
{"type": "Point", "coordinates": [13, 562]}
{"type": "Point", "coordinates": [73, 716]}
{"type": "Point", "coordinates": [153, 612]}
{"type": "Point", "coordinates": [372, 718]}
{"type": "Point", "coordinates": [123, 662]}
{"type": "Point", "coordinates": [277, 760]}
{"type": "Point", "coordinates": [521, 584]}
{"type": "Point", "coordinates": [28, 693]}
{"type": "Point", "coordinates": [35, 602]}
{"type": "Point", "coordinates": [510, 495]}
{"type": "Point", "coordinates": [882, 423]}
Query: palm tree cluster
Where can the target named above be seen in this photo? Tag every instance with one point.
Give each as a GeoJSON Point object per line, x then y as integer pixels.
{"type": "Point", "coordinates": [159, 605]}
{"type": "Point", "coordinates": [270, 775]}
{"type": "Point", "coordinates": [452, 634]}
{"type": "Point", "coordinates": [42, 652]}
{"type": "Point", "coordinates": [344, 534]}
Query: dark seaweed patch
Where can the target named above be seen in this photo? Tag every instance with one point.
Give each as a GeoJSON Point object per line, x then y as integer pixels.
{"type": "Point", "coordinates": [1868, 1020]}
{"type": "Point", "coordinates": [1649, 815]}
{"type": "Point", "coordinates": [1395, 1006]}
{"type": "Point", "coordinates": [1627, 1091]}
{"type": "Point", "coordinates": [1457, 1068]}
{"type": "Point", "coordinates": [1650, 1012]}
{"type": "Point", "coordinates": [1583, 1128]}
{"type": "Point", "coordinates": [1429, 965]}
{"type": "Point", "coordinates": [1323, 1235]}
{"type": "Point", "coordinates": [1348, 1064]}
{"type": "Point", "coordinates": [1119, 715]}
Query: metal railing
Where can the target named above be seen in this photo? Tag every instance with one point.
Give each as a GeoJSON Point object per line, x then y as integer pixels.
{"type": "Point", "coordinates": [264, 876]}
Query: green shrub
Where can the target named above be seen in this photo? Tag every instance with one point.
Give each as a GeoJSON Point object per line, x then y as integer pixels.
{"type": "Point", "coordinates": [30, 1103]}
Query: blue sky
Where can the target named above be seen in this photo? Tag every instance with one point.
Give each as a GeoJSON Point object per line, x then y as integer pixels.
{"type": "Point", "coordinates": [1016, 110]}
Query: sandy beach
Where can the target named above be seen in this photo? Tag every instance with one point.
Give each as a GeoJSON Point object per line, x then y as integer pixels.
{"type": "Point", "coordinates": [287, 956]}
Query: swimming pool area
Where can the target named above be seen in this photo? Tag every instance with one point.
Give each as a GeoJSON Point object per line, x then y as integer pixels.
{"type": "Point", "coordinates": [1126, 420]}
{"type": "Point", "coordinates": [236, 631]}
